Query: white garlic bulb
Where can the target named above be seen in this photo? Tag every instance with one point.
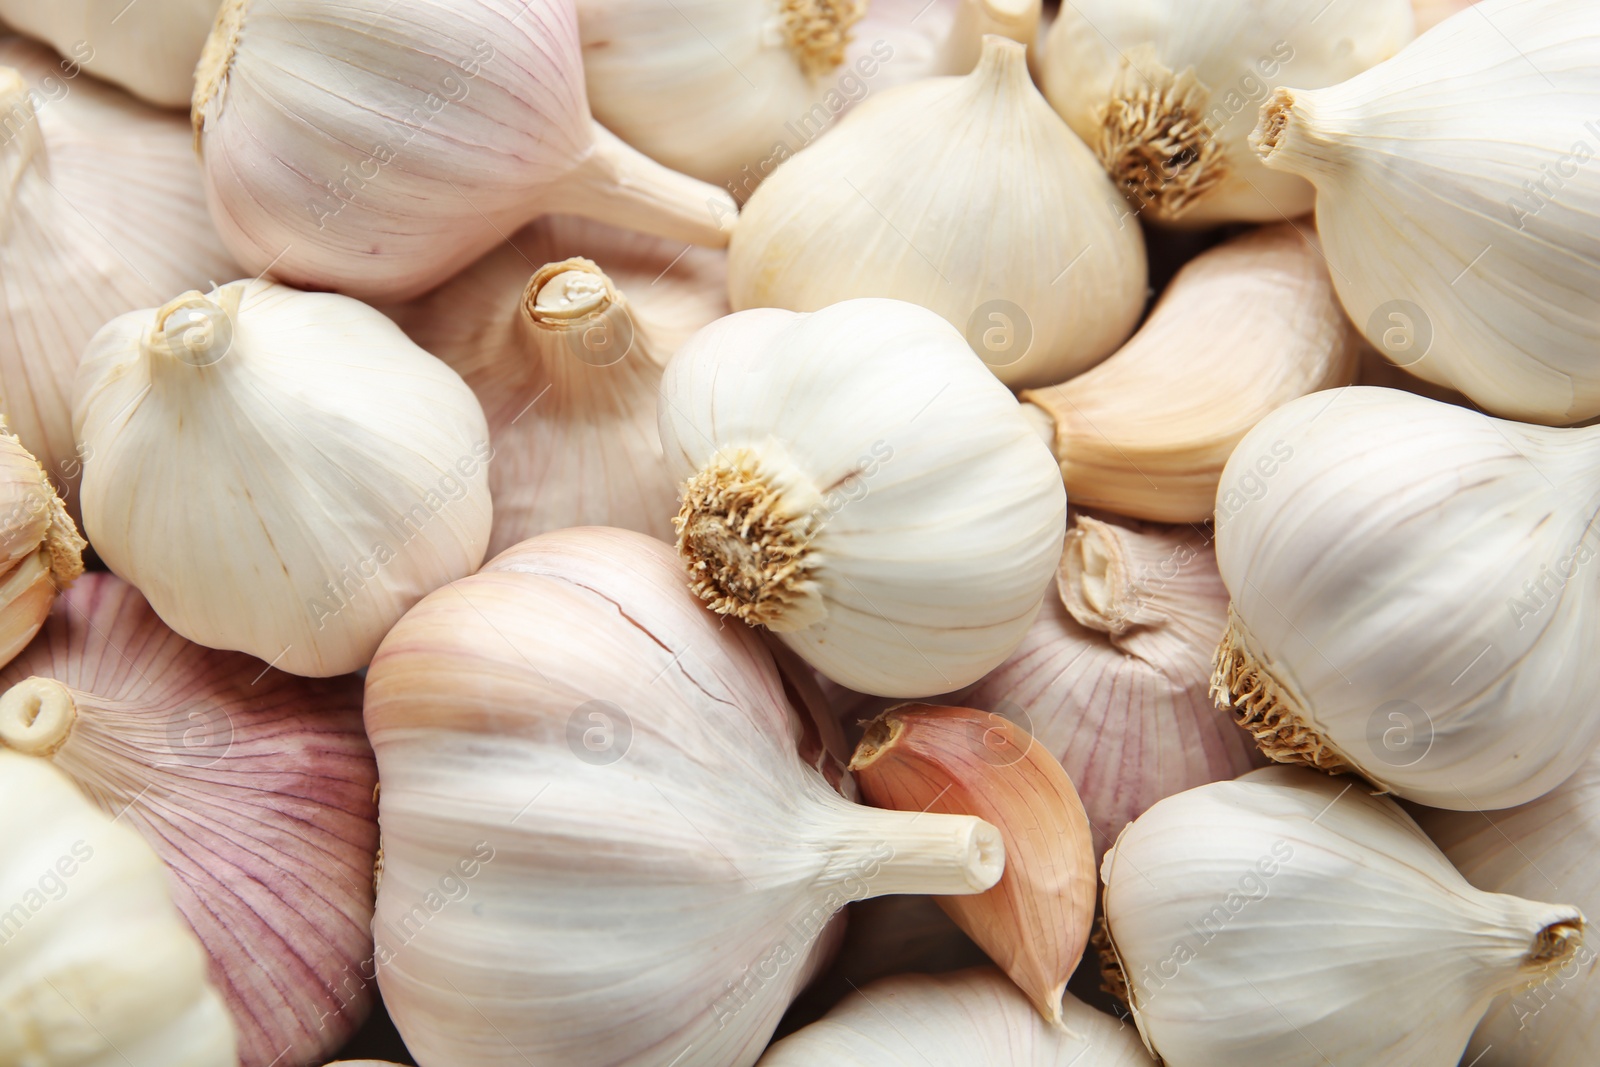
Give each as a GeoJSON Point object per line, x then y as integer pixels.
{"type": "Point", "coordinates": [1166, 92]}
{"type": "Point", "coordinates": [150, 49]}
{"type": "Point", "coordinates": [379, 151]}
{"type": "Point", "coordinates": [973, 1018]}
{"type": "Point", "coordinates": [568, 369]}
{"type": "Point", "coordinates": [101, 212]}
{"type": "Point", "coordinates": [1292, 919]}
{"type": "Point", "coordinates": [97, 969]}
{"type": "Point", "coordinates": [726, 90]}
{"type": "Point", "coordinates": [1465, 159]}
{"type": "Point", "coordinates": [253, 786]}
{"type": "Point", "coordinates": [293, 452]}
{"type": "Point", "coordinates": [1408, 580]}
{"type": "Point", "coordinates": [965, 195]}
{"type": "Point", "coordinates": [855, 481]}
{"type": "Point", "coordinates": [600, 843]}
{"type": "Point", "coordinates": [1551, 845]}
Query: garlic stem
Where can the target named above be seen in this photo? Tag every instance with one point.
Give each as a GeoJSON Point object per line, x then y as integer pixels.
{"type": "Point", "coordinates": [1288, 136]}
{"type": "Point", "coordinates": [912, 852]}
{"type": "Point", "coordinates": [193, 329]}
{"type": "Point", "coordinates": [622, 186]}
{"type": "Point", "coordinates": [36, 716]}
{"type": "Point", "coordinates": [1094, 582]}
{"type": "Point", "coordinates": [1556, 944]}
{"type": "Point", "coordinates": [1017, 20]}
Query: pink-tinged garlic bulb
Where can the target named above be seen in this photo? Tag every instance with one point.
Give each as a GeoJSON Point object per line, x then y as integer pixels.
{"type": "Point", "coordinates": [254, 786]}
{"type": "Point", "coordinates": [376, 148]}
{"type": "Point", "coordinates": [1114, 677]}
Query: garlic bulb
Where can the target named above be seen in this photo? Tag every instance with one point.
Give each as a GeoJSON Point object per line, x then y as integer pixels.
{"type": "Point", "coordinates": [1113, 678]}
{"type": "Point", "coordinates": [218, 476]}
{"type": "Point", "coordinates": [380, 151]}
{"type": "Point", "coordinates": [1293, 919]}
{"type": "Point", "coordinates": [97, 969]}
{"type": "Point", "coordinates": [101, 212]}
{"type": "Point", "coordinates": [40, 550]}
{"type": "Point", "coordinates": [255, 787]}
{"type": "Point", "coordinates": [1490, 277]}
{"type": "Point", "coordinates": [973, 1018]}
{"type": "Point", "coordinates": [965, 195]}
{"type": "Point", "coordinates": [151, 50]}
{"type": "Point", "coordinates": [1166, 92]}
{"type": "Point", "coordinates": [1240, 331]}
{"type": "Point", "coordinates": [599, 842]}
{"type": "Point", "coordinates": [1408, 580]}
{"type": "Point", "coordinates": [1544, 847]}
{"type": "Point", "coordinates": [726, 90]}
{"type": "Point", "coordinates": [568, 371]}
{"type": "Point", "coordinates": [856, 482]}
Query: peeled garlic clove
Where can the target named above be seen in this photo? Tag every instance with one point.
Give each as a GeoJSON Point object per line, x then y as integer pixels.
{"type": "Point", "coordinates": [290, 451]}
{"type": "Point", "coordinates": [425, 139]}
{"type": "Point", "coordinates": [97, 969]}
{"type": "Point", "coordinates": [1390, 957]}
{"type": "Point", "coordinates": [1407, 577]}
{"type": "Point", "coordinates": [1241, 330]}
{"type": "Point", "coordinates": [1166, 92]}
{"type": "Point", "coordinates": [1490, 278]}
{"type": "Point", "coordinates": [600, 844]}
{"type": "Point", "coordinates": [568, 371]}
{"type": "Point", "coordinates": [960, 761]}
{"type": "Point", "coordinates": [151, 50]}
{"type": "Point", "coordinates": [973, 1018]}
{"type": "Point", "coordinates": [254, 787]}
{"type": "Point", "coordinates": [101, 212]}
{"type": "Point", "coordinates": [725, 90]}
{"type": "Point", "coordinates": [967, 196]}
{"type": "Point", "coordinates": [40, 550]}
{"type": "Point", "coordinates": [1114, 676]}
{"type": "Point", "coordinates": [1548, 846]}
{"type": "Point", "coordinates": [856, 482]}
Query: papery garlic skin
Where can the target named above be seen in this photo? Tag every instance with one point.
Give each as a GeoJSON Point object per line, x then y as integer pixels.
{"type": "Point", "coordinates": [1293, 919]}
{"type": "Point", "coordinates": [102, 972]}
{"type": "Point", "coordinates": [909, 517]}
{"type": "Point", "coordinates": [1408, 578]}
{"type": "Point", "coordinates": [291, 451]}
{"type": "Point", "coordinates": [571, 736]}
{"type": "Point", "coordinates": [972, 1018]}
{"type": "Point", "coordinates": [1466, 159]}
{"type": "Point", "coordinates": [430, 134]}
{"type": "Point", "coordinates": [967, 196]}
{"type": "Point", "coordinates": [254, 787]}
{"type": "Point", "coordinates": [41, 552]}
{"type": "Point", "coordinates": [1241, 330]}
{"type": "Point", "coordinates": [1166, 92]}
{"type": "Point", "coordinates": [1544, 847]}
{"type": "Point", "coordinates": [101, 212]}
{"type": "Point", "coordinates": [151, 51]}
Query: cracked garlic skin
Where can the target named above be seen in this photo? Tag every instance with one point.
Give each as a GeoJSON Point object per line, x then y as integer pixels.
{"type": "Point", "coordinates": [377, 150]}
{"type": "Point", "coordinates": [601, 843]}
{"type": "Point", "coordinates": [1293, 919]}
{"type": "Point", "coordinates": [965, 195]}
{"type": "Point", "coordinates": [1166, 92]}
{"type": "Point", "coordinates": [855, 481]}
{"type": "Point", "coordinates": [97, 968]}
{"type": "Point", "coordinates": [1408, 580]}
{"type": "Point", "coordinates": [292, 452]}
{"type": "Point", "coordinates": [1456, 201]}
{"type": "Point", "coordinates": [150, 50]}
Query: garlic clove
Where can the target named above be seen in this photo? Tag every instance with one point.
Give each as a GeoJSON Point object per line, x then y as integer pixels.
{"type": "Point", "coordinates": [1394, 956]}
{"type": "Point", "coordinates": [40, 550]}
{"type": "Point", "coordinates": [967, 196]}
{"type": "Point", "coordinates": [1147, 432]}
{"type": "Point", "coordinates": [151, 51]}
{"type": "Point", "coordinates": [471, 121]}
{"type": "Point", "coordinates": [254, 787]}
{"type": "Point", "coordinates": [1489, 280]}
{"type": "Point", "coordinates": [1166, 93]}
{"type": "Point", "coordinates": [1035, 921]}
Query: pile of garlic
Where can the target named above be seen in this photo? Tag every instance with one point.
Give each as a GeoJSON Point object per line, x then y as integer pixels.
{"type": "Point", "coordinates": [721, 533]}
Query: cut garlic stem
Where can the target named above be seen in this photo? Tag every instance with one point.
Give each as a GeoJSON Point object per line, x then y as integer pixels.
{"type": "Point", "coordinates": [933, 853]}
{"type": "Point", "coordinates": [626, 188]}
{"type": "Point", "coordinates": [36, 716]}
